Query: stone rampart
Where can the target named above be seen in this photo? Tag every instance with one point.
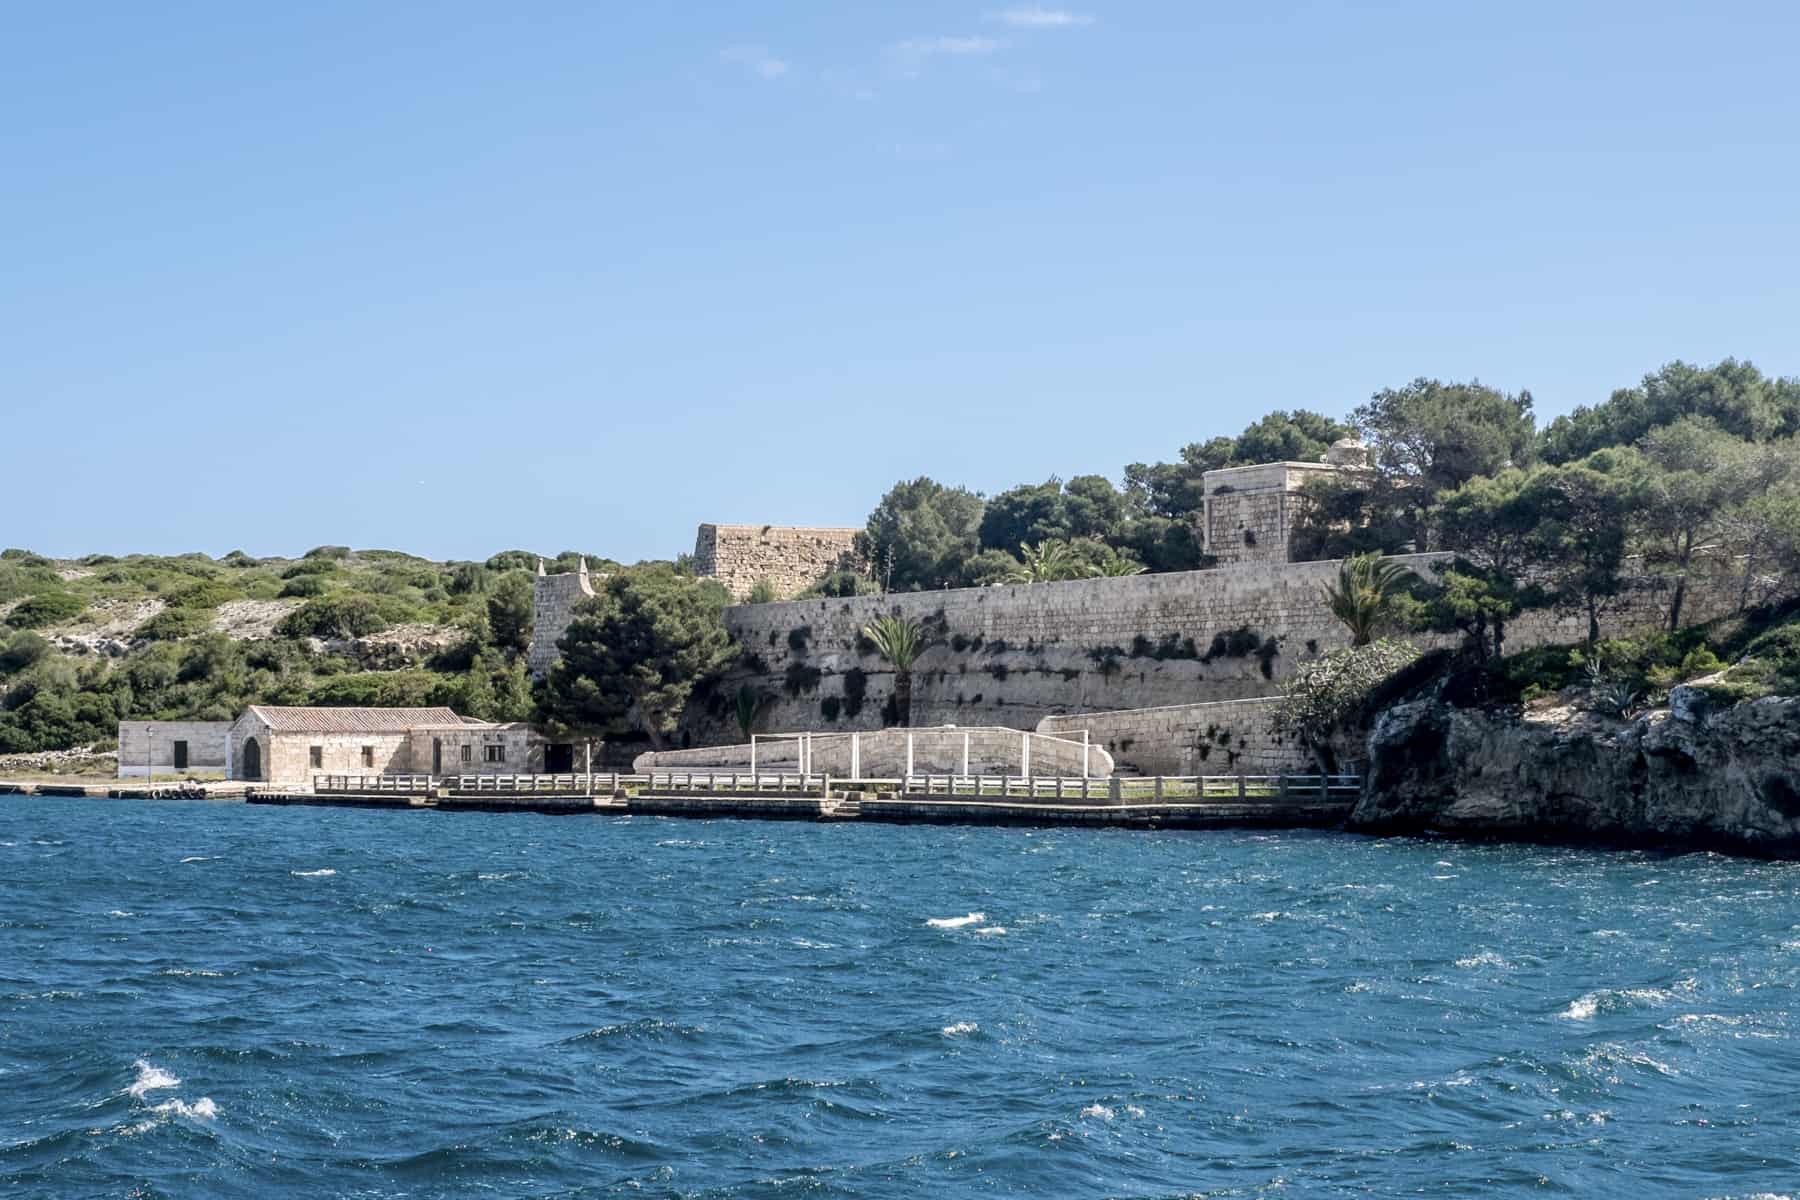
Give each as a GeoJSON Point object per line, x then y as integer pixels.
{"type": "Point", "coordinates": [1016, 654]}
{"type": "Point", "coordinates": [789, 559]}
{"type": "Point", "coordinates": [1225, 738]}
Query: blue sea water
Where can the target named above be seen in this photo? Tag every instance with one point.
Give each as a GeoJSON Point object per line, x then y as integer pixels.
{"type": "Point", "coordinates": [215, 1000]}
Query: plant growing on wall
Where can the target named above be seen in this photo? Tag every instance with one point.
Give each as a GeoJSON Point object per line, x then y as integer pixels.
{"type": "Point", "coordinates": [751, 704]}
{"type": "Point", "coordinates": [1047, 562]}
{"type": "Point", "coordinates": [900, 641]}
{"type": "Point", "coordinates": [1364, 594]}
{"type": "Point", "coordinates": [1324, 693]}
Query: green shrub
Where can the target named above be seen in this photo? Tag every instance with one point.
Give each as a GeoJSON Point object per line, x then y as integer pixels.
{"type": "Point", "coordinates": [333, 552]}
{"type": "Point", "coordinates": [334, 617]}
{"type": "Point", "coordinates": [173, 624]}
{"type": "Point", "coordinates": [763, 592]}
{"type": "Point", "coordinates": [22, 650]}
{"type": "Point", "coordinates": [305, 586]}
{"type": "Point", "coordinates": [45, 608]}
{"type": "Point", "coordinates": [208, 595]}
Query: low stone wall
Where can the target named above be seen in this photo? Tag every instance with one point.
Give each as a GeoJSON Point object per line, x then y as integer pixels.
{"type": "Point", "coordinates": [946, 750]}
{"type": "Point", "coordinates": [1224, 738]}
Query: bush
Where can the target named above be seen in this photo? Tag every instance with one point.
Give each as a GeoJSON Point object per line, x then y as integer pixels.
{"type": "Point", "coordinates": [334, 617]}
{"type": "Point", "coordinates": [172, 624]}
{"type": "Point", "coordinates": [763, 592]}
{"type": "Point", "coordinates": [332, 552]}
{"type": "Point", "coordinates": [46, 608]}
{"type": "Point", "coordinates": [20, 651]}
{"type": "Point", "coordinates": [305, 586]}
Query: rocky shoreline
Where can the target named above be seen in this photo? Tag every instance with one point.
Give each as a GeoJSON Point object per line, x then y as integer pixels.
{"type": "Point", "coordinates": [1689, 776]}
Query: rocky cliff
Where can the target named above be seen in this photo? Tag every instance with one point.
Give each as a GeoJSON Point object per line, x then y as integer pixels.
{"type": "Point", "coordinates": [1688, 776]}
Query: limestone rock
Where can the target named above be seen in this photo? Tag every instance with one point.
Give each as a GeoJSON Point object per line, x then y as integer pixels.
{"type": "Point", "coordinates": [1685, 777]}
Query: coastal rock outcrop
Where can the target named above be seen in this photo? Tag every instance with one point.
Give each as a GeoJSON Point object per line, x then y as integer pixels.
{"type": "Point", "coordinates": [1689, 776]}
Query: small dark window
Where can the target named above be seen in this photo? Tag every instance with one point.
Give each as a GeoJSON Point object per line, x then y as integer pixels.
{"type": "Point", "coordinates": [1249, 537]}
{"type": "Point", "coordinates": [181, 756]}
{"type": "Point", "coordinates": [468, 754]}
{"type": "Point", "coordinates": [368, 756]}
{"type": "Point", "coordinates": [495, 754]}
{"type": "Point", "coordinates": [316, 754]}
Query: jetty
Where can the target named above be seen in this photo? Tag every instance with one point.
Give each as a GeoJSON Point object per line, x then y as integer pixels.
{"type": "Point", "coordinates": [1177, 802]}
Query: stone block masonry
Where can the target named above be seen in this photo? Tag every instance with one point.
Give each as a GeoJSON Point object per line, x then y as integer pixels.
{"type": "Point", "coordinates": [553, 601]}
{"type": "Point", "coordinates": [1014, 655]}
{"type": "Point", "coordinates": [1227, 738]}
{"type": "Point", "coordinates": [789, 559]}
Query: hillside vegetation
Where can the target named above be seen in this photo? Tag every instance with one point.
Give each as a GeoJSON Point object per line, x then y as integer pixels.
{"type": "Point", "coordinates": [84, 643]}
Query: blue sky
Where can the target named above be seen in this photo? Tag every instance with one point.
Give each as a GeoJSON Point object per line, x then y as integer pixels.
{"type": "Point", "coordinates": [458, 277]}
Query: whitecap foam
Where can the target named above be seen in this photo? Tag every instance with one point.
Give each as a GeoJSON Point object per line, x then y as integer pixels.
{"type": "Point", "coordinates": [973, 918]}
{"type": "Point", "coordinates": [150, 1078]}
{"type": "Point", "coordinates": [1487, 958]}
{"type": "Point", "coordinates": [202, 1109]}
{"type": "Point", "coordinates": [118, 912]}
{"type": "Point", "coordinates": [192, 858]}
{"type": "Point", "coordinates": [960, 1029]}
{"type": "Point", "coordinates": [990, 931]}
{"type": "Point", "coordinates": [319, 874]}
{"type": "Point", "coordinates": [1098, 1110]}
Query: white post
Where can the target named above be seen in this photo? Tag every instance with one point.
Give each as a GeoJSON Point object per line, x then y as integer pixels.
{"type": "Point", "coordinates": [856, 756]}
{"type": "Point", "coordinates": [909, 753]}
{"type": "Point", "coordinates": [753, 754]}
{"type": "Point", "coordinates": [1025, 755]}
{"type": "Point", "coordinates": [965, 769]}
{"type": "Point", "coordinates": [1084, 753]}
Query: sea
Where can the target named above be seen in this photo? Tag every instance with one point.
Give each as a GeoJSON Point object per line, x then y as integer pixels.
{"type": "Point", "coordinates": [206, 999]}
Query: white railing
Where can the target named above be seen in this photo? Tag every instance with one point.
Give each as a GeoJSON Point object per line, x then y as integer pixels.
{"type": "Point", "coordinates": [1063, 789]}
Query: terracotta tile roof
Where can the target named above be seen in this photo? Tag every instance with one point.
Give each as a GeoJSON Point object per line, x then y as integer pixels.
{"type": "Point", "coordinates": [351, 720]}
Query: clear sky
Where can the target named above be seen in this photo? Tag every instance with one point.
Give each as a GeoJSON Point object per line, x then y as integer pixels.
{"type": "Point", "coordinates": [458, 277]}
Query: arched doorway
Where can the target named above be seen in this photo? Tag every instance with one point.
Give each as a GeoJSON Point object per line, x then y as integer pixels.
{"type": "Point", "coordinates": [252, 759]}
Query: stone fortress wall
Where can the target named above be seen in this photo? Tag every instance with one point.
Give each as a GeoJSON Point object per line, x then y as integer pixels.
{"type": "Point", "coordinates": [1017, 654]}
{"type": "Point", "coordinates": [789, 559]}
{"type": "Point", "coordinates": [1227, 737]}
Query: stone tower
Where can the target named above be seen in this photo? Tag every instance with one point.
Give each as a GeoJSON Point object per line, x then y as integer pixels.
{"type": "Point", "coordinates": [553, 601]}
{"type": "Point", "coordinates": [1249, 511]}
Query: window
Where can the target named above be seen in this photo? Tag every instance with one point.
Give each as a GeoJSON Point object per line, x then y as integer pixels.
{"type": "Point", "coordinates": [316, 755]}
{"type": "Point", "coordinates": [494, 754]}
{"type": "Point", "coordinates": [468, 754]}
{"type": "Point", "coordinates": [368, 756]}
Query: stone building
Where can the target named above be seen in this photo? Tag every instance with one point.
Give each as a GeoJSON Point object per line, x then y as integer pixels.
{"type": "Point", "coordinates": [790, 560]}
{"type": "Point", "coordinates": [288, 746]}
{"type": "Point", "coordinates": [173, 748]}
{"type": "Point", "coordinates": [1250, 511]}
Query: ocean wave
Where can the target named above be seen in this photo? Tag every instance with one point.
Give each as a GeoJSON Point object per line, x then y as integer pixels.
{"type": "Point", "coordinates": [318, 874]}
{"type": "Point", "coordinates": [194, 858]}
{"type": "Point", "coordinates": [1586, 1007]}
{"type": "Point", "coordinates": [202, 1109]}
{"type": "Point", "coordinates": [990, 931]}
{"type": "Point", "coordinates": [973, 918]}
{"type": "Point", "coordinates": [961, 1029]}
{"type": "Point", "coordinates": [150, 1078]}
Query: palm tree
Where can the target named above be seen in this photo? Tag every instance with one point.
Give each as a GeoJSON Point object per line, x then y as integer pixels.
{"type": "Point", "coordinates": [900, 640]}
{"type": "Point", "coordinates": [752, 703]}
{"type": "Point", "coordinates": [1366, 586]}
{"type": "Point", "coordinates": [1117, 565]}
{"type": "Point", "coordinates": [1046, 562]}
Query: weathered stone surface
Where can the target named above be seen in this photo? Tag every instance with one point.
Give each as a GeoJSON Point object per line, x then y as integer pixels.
{"type": "Point", "coordinates": [1223, 738]}
{"type": "Point", "coordinates": [1727, 778]}
{"type": "Point", "coordinates": [789, 559]}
